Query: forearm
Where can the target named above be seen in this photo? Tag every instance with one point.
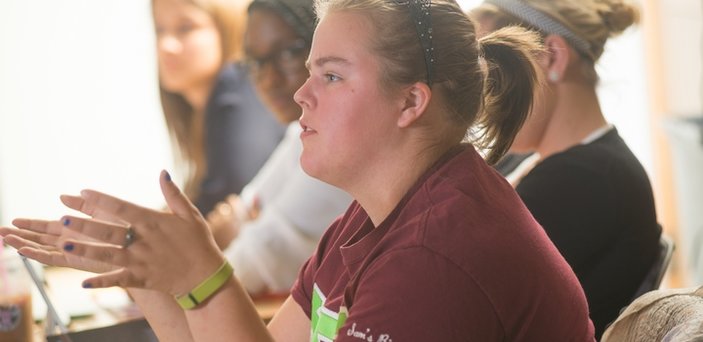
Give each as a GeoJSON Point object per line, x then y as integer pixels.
{"type": "Point", "coordinates": [229, 315]}
{"type": "Point", "coordinates": [163, 313]}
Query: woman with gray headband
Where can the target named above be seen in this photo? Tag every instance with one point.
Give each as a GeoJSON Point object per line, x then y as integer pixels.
{"type": "Point", "coordinates": [582, 184]}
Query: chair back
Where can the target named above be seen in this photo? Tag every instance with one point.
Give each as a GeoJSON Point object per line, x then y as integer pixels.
{"type": "Point", "coordinates": [655, 275]}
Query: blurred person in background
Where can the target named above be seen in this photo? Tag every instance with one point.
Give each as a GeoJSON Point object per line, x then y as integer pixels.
{"type": "Point", "coordinates": [221, 131]}
{"type": "Point", "coordinates": [269, 230]}
{"type": "Point", "coordinates": [582, 183]}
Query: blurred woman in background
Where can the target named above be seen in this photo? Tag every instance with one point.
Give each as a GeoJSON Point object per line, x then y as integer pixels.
{"type": "Point", "coordinates": [269, 231]}
{"type": "Point", "coordinates": [582, 184]}
{"type": "Point", "coordinates": [222, 132]}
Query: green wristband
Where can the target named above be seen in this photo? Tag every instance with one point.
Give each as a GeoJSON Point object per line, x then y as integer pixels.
{"type": "Point", "coordinates": [207, 288]}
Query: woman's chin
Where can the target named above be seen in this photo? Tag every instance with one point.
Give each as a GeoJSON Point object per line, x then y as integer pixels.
{"type": "Point", "coordinates": [313, 168]}
{"type": "Point", "coordinates": [308, 166]}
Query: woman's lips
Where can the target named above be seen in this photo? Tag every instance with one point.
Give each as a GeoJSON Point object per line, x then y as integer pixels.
{"type": "Point", "coordinates": [307, 131]}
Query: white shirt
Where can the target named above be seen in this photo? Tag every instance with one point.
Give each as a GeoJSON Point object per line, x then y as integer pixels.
{"type": "Point", "coordinates": [295, 210]}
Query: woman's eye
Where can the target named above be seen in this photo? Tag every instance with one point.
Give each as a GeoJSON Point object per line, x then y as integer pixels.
{"type": "Point", "coordinates": [185, 28]}
{"type": "Point", "coordinates": [332, 77]}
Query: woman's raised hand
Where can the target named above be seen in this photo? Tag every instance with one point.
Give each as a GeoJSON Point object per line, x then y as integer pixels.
{"type": "Point", "coordinates": [41, 240]}
{"type": "Point", "coordinates": [168, 252]}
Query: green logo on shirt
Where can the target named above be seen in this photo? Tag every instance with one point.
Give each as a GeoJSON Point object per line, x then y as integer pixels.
{"type": "Point", "coordinates": [325, 322]}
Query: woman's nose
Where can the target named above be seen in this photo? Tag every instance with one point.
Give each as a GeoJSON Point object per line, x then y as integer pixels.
{"type": "Point", "coordinates": [302, 95]}
{"type": "Point", "coordinates": [167, 43]}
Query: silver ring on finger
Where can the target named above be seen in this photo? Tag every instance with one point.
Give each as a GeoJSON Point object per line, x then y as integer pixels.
{"type": "Point", "coordinates": [129, 237]}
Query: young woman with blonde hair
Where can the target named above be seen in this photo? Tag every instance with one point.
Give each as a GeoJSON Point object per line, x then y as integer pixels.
{"type": "Point", "coordinates": [436, 246]}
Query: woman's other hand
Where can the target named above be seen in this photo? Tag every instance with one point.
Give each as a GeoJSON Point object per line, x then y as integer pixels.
{"type": "Point", "coordinates": [225, 220]}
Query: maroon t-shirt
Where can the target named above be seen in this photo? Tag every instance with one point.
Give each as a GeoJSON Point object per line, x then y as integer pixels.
{"type": "Point", "coordinates": [459, 259]}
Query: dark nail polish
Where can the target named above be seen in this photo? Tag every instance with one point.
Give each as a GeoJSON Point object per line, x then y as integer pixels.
{"type": "Point", "coordinates": [168, 176]}
{"type": "Point", "coordinates": [66, 221]}
{"type": "Point", "coordinates": [87, 285]}
{"type": "Point", "coordinates": [68, 247]}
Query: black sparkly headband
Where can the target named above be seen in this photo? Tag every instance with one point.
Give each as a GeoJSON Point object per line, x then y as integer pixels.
{"type": "Point", "coordinates": [420, 10]}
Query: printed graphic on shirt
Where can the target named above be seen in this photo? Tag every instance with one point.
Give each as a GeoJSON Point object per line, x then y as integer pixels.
{"type": "Point", "coordinates": [325, 323]}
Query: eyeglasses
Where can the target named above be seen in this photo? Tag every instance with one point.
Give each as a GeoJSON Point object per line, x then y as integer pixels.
{"type": "Point", "coordinates": [289, 59]}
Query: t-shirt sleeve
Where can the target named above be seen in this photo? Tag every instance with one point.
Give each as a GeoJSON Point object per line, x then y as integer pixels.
{"type": "Point", "coordinates": [575, 206]}
{"type": "Point", "coordinates": [417, 295]}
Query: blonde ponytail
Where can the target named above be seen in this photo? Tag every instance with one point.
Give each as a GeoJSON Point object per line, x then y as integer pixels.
{"type": "Point", "coordinates": [508, 92]}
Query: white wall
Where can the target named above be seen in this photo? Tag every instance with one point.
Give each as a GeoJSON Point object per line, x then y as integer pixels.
{"type": "Point", "coordinates": [682, 54]}
{"type": "Point", "coordinates": [682, 50]}
{"type": "Point", "coordinates": [623, 93]}
{"type": "Point", "coordinates": [78, 104]}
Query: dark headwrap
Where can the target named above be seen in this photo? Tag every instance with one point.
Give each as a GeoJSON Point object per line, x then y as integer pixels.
{"type": "Point", "coordinates": [299, 14]}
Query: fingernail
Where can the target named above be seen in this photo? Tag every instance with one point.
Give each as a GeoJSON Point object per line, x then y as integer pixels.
{"type": "Point", "coordinates": [68, 247]}
{"type": "Point", "coordinates": [66, 221]}
{"type": "Point", "coordinates": [167, 176]}
{"type": "Point", "coordinates": [18, 252]}
{"type": "Point", "coordinates": [87, 285]}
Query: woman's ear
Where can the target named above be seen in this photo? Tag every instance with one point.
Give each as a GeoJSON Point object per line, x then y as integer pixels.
{"type": "Point", "coordinates": [415, 99]}
{"type": "Point", "coordinates": [559, 56]}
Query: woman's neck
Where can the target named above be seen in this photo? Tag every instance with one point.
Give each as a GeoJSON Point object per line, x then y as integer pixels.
{"type": "Point", "coordinates": [577, 114]}
{"type": "Point", "coordinates": [380, 193]}
{"type": "Point", "coordinates": [198, 95]}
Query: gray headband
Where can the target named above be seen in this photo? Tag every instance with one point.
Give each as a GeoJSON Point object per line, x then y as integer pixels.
{"type": "Point", "coordinates": [543, 22]}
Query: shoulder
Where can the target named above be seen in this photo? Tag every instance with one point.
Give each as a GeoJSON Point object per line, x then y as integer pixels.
{"type": "Point", "coordinates": [233, 89]}
{"type": "Point", "coordinates": [464, 197]}
{"type": "Point", "coordinates": [231, 78]}
{"type": "Point", "coordinates": [602, 166]}
{"type": "Point", "coordinates": [469, 215]}
{"type": "Point", "coordinates": [597, 157]}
